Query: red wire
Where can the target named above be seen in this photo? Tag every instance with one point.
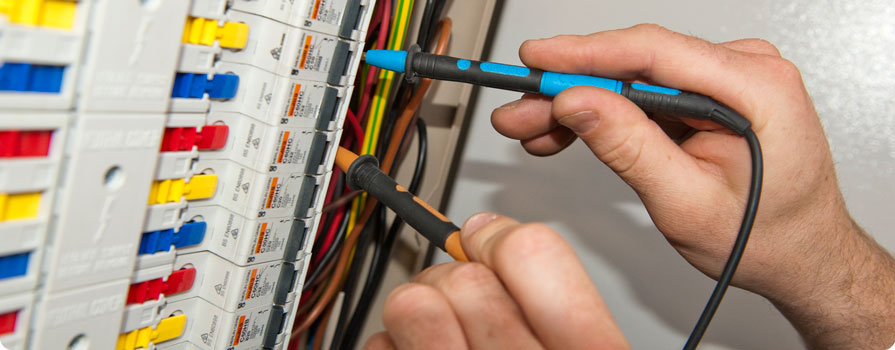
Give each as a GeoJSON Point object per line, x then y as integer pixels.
{"type": "Point", "coordinates": [330, 236]}
{"type": "Point", "coordinates": [358, 131]}
{"type": "Point", "coordinates": [376, 19]}
{"type": "Point", "coordinates": [329, 197]}
{"type": "Point", "coordinates": [371, 75]}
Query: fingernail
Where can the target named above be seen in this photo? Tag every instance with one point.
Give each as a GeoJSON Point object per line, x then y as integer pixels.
{"type": "Point", "coordinates": [475, 222]}
{"type": "Point", "coordinates": [511, 105]}
{"type": "Point", "coordinates": [580, 122]}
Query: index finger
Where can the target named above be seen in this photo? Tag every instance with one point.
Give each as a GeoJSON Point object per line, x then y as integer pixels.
{"type": "Point", "coordinates": [543, 274]}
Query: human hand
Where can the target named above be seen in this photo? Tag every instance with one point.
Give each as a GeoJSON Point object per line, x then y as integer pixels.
{"type": "Point", "coordinates": [525, 289]}
{"type": "Point", "coordinates": [803, 246]}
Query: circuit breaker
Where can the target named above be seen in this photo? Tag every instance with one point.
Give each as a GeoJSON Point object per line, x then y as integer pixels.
{"type": "Point", "coordinates": [162, 164]}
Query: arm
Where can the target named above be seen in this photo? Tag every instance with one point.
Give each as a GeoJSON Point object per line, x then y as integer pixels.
{"type": "Point", "coordinates": [832, 281]}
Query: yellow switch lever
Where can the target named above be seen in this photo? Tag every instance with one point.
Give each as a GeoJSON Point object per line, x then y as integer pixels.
{"type": "Point", "coordinates": [203, 31]}
{"type": "Point", "coordinates": [47, 13]}
{"type": "Point", "coordinates": [19, 206]}
{"type": "Point", "coordinates": [167, 329]}
{"type": "Point", "coordinates": [199, 187]}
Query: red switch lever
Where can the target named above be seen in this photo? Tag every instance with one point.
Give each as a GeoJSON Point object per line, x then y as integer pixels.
{"type": "Point", "coordinates": [177, 282]}
{"type": "Point", "coordinates": [25, 143]}
{"type": "Point", "coordinates": [212, 137]}
{"type": "Point", "coordinates": [184, 138]}
{"type": "Point", "coordinates": [8, 322]}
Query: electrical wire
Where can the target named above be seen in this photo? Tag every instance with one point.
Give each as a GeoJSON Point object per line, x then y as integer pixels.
{"type": "Point", "coordinates": [369, 207]}
{"type": "Point", "coordinates": [336, 203]}
{"type": "Point", "coordinates": [324, 233]}
{"type": "Point", "coordinates": [328, 256]}
{"type": "Point", "coordinates": [386, 77]}
{"type": "Point", "coordinates": [739, 246]}
{"type": "Point", "coordinates": [360, 254]}
{"type": "Point", "coordinates": [381, 256]}
{"type": "Point", "coordinates": [355, 126]}
{"type": "Point", "coordinates": [398, 134]}
{"type": "Point", "coordinates": [371, 74]}
{"type": "Point", "coordinates": [321, 329]}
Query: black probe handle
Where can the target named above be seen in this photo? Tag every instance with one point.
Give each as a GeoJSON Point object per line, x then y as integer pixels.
{"type": "Point", "coordinates": [364, 173]}
{"type": "Point", "coordinates": [683, 104]}
{"type": "Point", "coordinates": [501, 76]}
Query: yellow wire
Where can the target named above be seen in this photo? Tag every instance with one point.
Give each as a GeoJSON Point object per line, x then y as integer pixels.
{"type": "Point", "coordinates": [397, 35]}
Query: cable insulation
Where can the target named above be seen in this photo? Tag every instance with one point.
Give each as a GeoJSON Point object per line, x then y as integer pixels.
{"type": "Point", "coordinates": [739, 246]}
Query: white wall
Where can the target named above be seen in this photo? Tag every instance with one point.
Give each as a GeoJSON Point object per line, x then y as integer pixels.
{"type": "Point", "coordinates": [845, 53]}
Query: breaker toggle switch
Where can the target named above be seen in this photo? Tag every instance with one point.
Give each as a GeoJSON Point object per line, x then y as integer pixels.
{"type": "Point", "coordinates": [8, 322]}
{"type": "Point", "coordinates": [193, 85]}
{"type": "Point", "coordinates": [45, 13]}
{"type": "Point", "coordinates": [189, 234]}
{"type": "Point", "coordinates": [167, 329]}
{"type": "Point", "coordinates": [19, 206]}
{"type": "Point", "coordinates": [167, 191]}
{"type": "Point", "coordinates": [14, 265]}
{"type": "Point", "coordinates": [25, 77]}
{"type": "Point", "coordinates": [184, 138]}
{"type": "Point", "coordinates": [177, 282]}
{"type": "Point", "coordinates": [203, 31]}
{"type": "Point", "coordinates": [25, 143]}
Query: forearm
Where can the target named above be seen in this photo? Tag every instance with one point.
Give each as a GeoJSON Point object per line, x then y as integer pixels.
{"type": "Point", "coordinates": [851, 304]}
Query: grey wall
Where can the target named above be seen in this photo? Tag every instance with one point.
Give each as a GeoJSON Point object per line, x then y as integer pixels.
{"type": "Point", "coordinates": [845, 53]}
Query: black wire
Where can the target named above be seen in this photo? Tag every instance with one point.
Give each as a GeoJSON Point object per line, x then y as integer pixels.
{"type": "Point", "coordinates": [427, 27]}
{"type": "Point", "coordinates": [330, 254]}
{"type": "Point", "coordinates": [423, 34]}
{"type": "Point", "coordinates": [422, 150]}
{"type": "Point", "coordinates": [381, 256]}
{"type": "Point", "coordinates": [360, 254]}
{"type": "Point", "coordinates": [739, 246]}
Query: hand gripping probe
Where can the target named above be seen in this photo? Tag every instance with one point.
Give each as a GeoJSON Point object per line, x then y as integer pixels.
{"type": "Point", "coordinates": [650, 98]}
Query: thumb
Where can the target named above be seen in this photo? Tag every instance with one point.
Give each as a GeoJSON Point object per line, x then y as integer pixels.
{"type": "Point", "coordinates": [621, 135]}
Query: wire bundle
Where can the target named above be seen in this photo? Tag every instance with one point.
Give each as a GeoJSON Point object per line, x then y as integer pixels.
{"type": "Point", "coordinates": [384, 108]}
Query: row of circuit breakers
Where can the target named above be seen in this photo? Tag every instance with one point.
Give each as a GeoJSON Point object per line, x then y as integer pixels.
{"type": "Point", "coordinates": [162, 164]}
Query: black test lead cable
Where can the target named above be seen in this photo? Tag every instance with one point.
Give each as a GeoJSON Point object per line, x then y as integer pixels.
{"type": "Point", "coordinates": [652, 99]}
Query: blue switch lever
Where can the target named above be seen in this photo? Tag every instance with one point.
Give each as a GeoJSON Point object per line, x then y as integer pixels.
{"type": "Point", "coordinates": [656, 99]}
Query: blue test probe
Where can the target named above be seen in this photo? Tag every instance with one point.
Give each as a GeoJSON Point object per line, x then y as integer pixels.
{"type": "Point", "coordinates": [667, 101]}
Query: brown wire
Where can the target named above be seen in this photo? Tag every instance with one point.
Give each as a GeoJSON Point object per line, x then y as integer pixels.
{"type": "Point", "coordinates": [339, 202]}
{"type": "Point", "coordinates": [444, 32]}
{"type": "Point", "coordinates": [321, 329]}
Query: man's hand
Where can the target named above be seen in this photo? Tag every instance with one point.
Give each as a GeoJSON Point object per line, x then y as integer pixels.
{"type": "Point", "coordinates": [526, 290]}
{"type": "Point", "coordinates": [805, 254]}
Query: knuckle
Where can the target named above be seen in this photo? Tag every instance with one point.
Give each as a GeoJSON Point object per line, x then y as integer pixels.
{"type": "Point", "coordinates": [651, 28]}
{"type": "Point", "coordinates": [786, 70]}
{"type": "Point", "coordinates": [624, 156]}
{"type": "Point", "coordinates": [780, 70]}
{"type": "Point", "coordinates": [765, 46]}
